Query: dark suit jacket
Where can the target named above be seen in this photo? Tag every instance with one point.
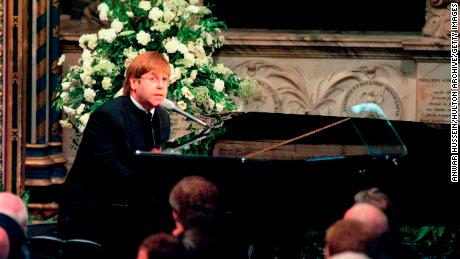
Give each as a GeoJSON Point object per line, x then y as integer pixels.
{"type": "Point", "coordinates": [104, 174]}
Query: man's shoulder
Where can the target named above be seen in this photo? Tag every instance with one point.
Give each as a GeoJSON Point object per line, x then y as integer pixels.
{"type": "Point", "coordinates": [114, 105]}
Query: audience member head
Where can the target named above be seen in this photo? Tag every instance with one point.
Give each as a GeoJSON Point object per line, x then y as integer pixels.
{"type": "Point", "coordinates": [195, 202]}
{"type": "Point", "coordinates": [13, 225]}
{"type": "Point", "coordinates": [161, 246]}
{"type": "Point", "coordinates": [13, 206]}
{"type": "Point", "coordinates": [376, 197]}
{"type": "Point", "coordinates": [368, 214]}
{"type": "Point", "coordinates": [348, 235]}
{"type": "Point", "coordinates": [350, 255]}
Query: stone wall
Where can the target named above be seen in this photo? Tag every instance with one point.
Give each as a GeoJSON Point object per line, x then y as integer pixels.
{"type": "Point", "coordinates": [323, 73]}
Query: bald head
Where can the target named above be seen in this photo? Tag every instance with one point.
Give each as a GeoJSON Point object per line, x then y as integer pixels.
{"type": "Point", "coordinates": [350, 255]}
{"type": "Point", "coordinates": [370, 215]}
{"type": "Point", "coordinates": [12, 206]}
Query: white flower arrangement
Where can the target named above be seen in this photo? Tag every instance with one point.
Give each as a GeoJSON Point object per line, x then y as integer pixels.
{"type": "Point", "coordinates": [186, 35]}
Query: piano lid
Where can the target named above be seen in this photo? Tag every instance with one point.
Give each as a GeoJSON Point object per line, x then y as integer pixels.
{"type": "Point", "coordinates": [299, 137]}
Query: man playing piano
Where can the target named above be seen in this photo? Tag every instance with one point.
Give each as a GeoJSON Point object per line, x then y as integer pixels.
{"type": "Point", "coordinates": [97, 189]}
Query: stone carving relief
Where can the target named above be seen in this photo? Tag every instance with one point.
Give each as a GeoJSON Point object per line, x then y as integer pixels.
{"type": "Point", "coordinates": [366, 84]}
{"type": "Point", "coordinates": [281, 89]}
{"type": "Point", "coordinates": [437, 19]}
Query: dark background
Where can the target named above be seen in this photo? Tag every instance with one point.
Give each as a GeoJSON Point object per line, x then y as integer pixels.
{"type": "Point", "coordinates": [356, 15]}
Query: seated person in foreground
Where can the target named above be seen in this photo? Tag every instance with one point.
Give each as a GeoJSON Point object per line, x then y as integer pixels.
{"type": "Point", "coordinates": [197, 215]}
{"type": "Point", "coordinates": [13, 226]}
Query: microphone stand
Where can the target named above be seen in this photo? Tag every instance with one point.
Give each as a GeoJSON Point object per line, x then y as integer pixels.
{"type": "Point", "coordinates": [175, 150]}
{"type": "Point", "coordinates": [374, 108]}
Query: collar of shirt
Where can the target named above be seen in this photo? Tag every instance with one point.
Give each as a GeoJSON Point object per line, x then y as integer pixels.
{"type": "Point", "coordinates": [138, 105]}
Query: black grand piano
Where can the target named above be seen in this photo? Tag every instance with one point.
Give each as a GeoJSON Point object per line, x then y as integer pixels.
{"type": "Point", "coordinates": [281, 175]}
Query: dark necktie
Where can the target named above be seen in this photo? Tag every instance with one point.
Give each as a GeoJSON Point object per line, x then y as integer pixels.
{"type": "Point", "coordinates": [152, 127]}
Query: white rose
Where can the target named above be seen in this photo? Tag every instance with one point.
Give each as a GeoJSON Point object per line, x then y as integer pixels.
{"type": "Point", "coordinates": [219, 107]}
{"type": "Point", "coordinates": [69, 111]}
{"type": "Point", "coordinates": [92, 40]}
{"type": "Point", "coordinates": [130, 14]}
{"type": "Point", "coordinates": [182, 48]}
{"type": "Point", "coordinates": [182, 105]}
{"type": "Point", "coordinates": [145, 5]}
{"type": "Point", "coordinates": [82, 41]}
{"type": "Point", "coordinates": [208, 37]}
{"type": "Point", "coordinates": [64, 96]}
{"type": "Point", "coordinates": [171, 45]}
{"type": "Point", "coordinates": [65, 86]}
{"type": "Point", "coordinates": [188, 61]}
{"type": "Point", "coordinates": [103, 9]}
{"type": "Point", "coordinates": [65, 124]}
{"type": "Point", "coordinates": [168, 15]}
{"type": "Point", "coordinates": [201, 61]}
{"type": "Point", "coordinates": [211, 103]}
{"type": "Point", "coordinates": [61, 60]}
{"type": "Point", "coordinates": [107, 34]}
{"type": "Point", "coordinates": [117, 25]}
{"type": "Point", "coordinates": [187, 93]}
{"type": "Point", "coordinates": [106, 83]}
{"type": "Point", "coordinates": [176, 73]}
{"type": "Point", "coordinates": [104, 66]}
{"type": "Point", "coordinates": [155, 14]}
{"type": "Point", "coordinates": [86, 56]}
{"type": "Point", "coordinates": [193, 74]}
{"type": "Point", "coordinates": [86, 79]}
{"type": "Point", "coordinates": [192, 9]}
{"type": "Point", "coordinates": [143, 38]}
{"type": "Point", "coordinates": [219, 85]}
{"type": "Point", "coordinates": [221, 69]}
{"type": "Point", "coordinates": [87, 69]}
{"type": "Point", "coordinates": [89, 95]}
{"type": "Point", "coordinates": [196, 49]}
{"type": "Point", "coordinates": [160, 26]}
{"type": "Point", "coordinates": [193, 2]}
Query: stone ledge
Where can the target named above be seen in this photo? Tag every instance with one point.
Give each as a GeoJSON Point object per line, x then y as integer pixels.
{"type": "Point", "coordinates": [320, 44]}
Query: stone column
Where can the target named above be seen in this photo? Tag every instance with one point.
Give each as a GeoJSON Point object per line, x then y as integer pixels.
{"type": "Point", "coordinates": [15, 64]}
{"type": "Point", "coordinates": [1, 96]}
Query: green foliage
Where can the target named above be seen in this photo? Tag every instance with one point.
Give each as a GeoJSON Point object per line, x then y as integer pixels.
{"type": "Point", "coordinates": [186, 34]}
{"type": "Point", "coordinates": [314, 244]}
{"type": "Point", "coordinates": [432, 240]}
{"type": "Point", "coordinates": [205, 144]}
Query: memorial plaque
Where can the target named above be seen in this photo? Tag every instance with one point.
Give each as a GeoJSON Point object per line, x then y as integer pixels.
{"type": "Point", "coordinates": [433, 100]}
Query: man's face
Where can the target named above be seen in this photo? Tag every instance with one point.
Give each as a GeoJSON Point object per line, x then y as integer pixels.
{"type": "Point", "coordinates": [150, 89]}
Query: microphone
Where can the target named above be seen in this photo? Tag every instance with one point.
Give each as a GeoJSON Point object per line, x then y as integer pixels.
{"type": "Point", "coordinates": [169, 105]}
{"type": "Point", "coordinates": [372, 107]}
